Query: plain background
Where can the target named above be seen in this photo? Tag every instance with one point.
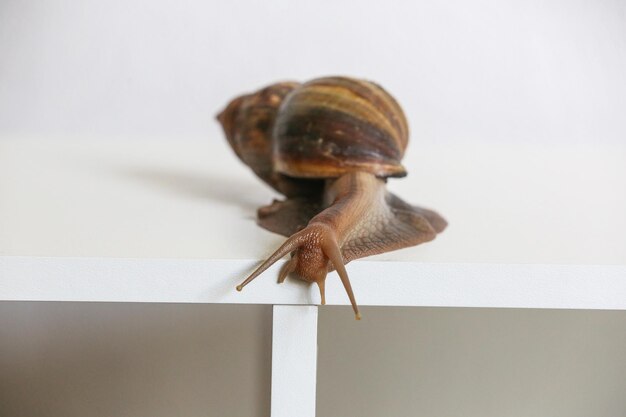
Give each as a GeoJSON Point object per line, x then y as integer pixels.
{"type": "Point", "coordinates": [546, 72]}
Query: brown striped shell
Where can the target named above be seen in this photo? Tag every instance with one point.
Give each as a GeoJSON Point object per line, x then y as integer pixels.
{"type": "Point", "coordinates": [248, 122]}
{"type": "Point", "coordinates": [291, 135]}
{"type": "Point", "coordinates": [330, 126]}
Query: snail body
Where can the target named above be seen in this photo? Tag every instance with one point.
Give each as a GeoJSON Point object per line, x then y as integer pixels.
{"type": "Point", "coordinates": [328, 145]}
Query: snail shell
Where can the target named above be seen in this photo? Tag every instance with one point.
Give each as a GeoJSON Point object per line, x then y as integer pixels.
{"type": "Point", "coordinates": [330, 126]}
{"type": "Point", "coordinates": [320, 129]}
{"type": "Point", "coordinates": [248, 123]}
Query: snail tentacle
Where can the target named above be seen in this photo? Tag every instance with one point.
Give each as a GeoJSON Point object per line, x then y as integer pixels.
{"type": "Point", "coordinates": [290, 245]}
{"type": "Point", "coordinates": [331, 249]}
{"type": "Point", "coordinates": [287, 269]}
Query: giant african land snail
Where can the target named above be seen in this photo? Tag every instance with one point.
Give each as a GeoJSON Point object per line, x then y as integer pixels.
{"type": "Point", "coordinates": [328, 145]}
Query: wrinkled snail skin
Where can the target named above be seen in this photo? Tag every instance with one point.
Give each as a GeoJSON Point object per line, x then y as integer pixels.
{"type": "Point", "coordinates": [328, 145]}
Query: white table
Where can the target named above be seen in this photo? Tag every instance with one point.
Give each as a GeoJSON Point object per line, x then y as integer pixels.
{"type": "Point", "coordinates": [173, 221]}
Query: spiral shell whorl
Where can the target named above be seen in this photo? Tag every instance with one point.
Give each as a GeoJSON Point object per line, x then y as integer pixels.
{"type": "Point", "coordinates": [248, 122]}
{"type": "Point", "coordinates": [330, 126]}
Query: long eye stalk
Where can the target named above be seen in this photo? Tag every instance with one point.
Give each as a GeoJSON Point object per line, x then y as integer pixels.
{"type": "Point", "coordinates": [290, 245]}
{"type": "Point", "coordinates": [331, 249]}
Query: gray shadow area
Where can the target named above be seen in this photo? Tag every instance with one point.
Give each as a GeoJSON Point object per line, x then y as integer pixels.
{"type": "Point", "coordinates": [188, 184]}
{"type": "Point", "coordinates": [134, 359]}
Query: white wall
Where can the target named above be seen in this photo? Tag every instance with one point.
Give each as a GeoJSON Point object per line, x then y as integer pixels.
{"type": "Point", "coordinates": [537, 71]}
{"type": "Point", "coordinates": [510, 70]}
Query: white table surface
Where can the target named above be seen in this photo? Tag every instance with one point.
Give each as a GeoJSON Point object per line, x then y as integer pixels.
{"type": "Point", "coordinates": [173, 220]}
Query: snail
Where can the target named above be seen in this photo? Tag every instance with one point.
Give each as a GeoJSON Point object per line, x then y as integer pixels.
{"type": "Point", "coordinates": [328, 146]}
